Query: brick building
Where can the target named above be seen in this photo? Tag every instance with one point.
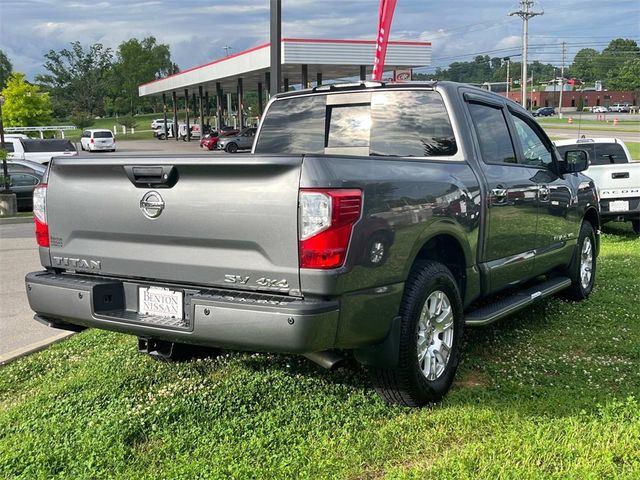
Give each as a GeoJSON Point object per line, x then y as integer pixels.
{"type": "Point", "coordinates": [572, 100]}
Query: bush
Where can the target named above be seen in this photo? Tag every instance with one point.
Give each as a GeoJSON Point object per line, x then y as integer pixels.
{"type": "Point", "coordinates": [128, 121]}
{"type": "Point", "coordinates": [82, 120]}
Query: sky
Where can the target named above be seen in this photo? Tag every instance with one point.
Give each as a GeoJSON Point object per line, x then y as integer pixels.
{"type": "Point", "coordinates": [198, 30]}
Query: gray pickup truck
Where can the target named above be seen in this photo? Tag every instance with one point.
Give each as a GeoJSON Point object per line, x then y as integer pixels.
{"type": "Point", "coordinates": [372, 219]}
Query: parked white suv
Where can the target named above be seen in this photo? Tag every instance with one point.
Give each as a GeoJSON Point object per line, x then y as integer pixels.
{"type": "Point", "coordinates": [98, 139]}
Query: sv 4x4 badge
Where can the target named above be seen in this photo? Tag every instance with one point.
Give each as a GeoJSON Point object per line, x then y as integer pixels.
{"type": "Point", "coordinates": [262, 282]}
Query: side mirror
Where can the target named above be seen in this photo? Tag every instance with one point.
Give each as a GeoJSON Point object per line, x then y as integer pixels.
{"type": "Point", "coordinates": [575, 161]}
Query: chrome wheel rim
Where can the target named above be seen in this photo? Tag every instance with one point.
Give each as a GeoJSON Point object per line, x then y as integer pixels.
{"type": "Point", "coordinates": [586, 263]}
{"type": "Point", "coordinates": [377, 252]}
{"type": "Point", "coordinates": [435, 335]}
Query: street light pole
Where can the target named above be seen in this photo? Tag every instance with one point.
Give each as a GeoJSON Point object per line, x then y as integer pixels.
{"type": "Point", "coordinates": [5, 171]}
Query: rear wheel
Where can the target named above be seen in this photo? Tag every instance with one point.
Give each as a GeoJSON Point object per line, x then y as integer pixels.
{"type": "Point", "coordinates": [432, 324]}
{"type": "Point", "coordinates": [582, 270]}
{"type": "Point", "coordinates": [232, 148]}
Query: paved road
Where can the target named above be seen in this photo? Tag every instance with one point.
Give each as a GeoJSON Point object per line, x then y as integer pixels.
{"type": "Point", "coordinates": [575, 133]}
{"type": "Point", "coordinates": [18, 330]}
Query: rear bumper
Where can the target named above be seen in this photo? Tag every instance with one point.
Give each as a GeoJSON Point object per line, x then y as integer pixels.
{"type": "Point", "coordinates": [215, 317]}
{"type": "Point", "coordinates": [633, 213]}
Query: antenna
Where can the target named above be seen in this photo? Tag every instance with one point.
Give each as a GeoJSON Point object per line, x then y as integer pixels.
{"type": "Point", "coordinates": [226, 49]}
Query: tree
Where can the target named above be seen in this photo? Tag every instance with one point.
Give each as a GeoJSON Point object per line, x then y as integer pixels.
{"type": "Point", "coordinates": [584, 66]}
{"type": "Point", "coordinates": [139, 61]}
{"type": "Point", "coordinates": [25, 105]}
{"type": "Point", "coordinates": [628, 77]}
{"type": "Point", "coordinates": [614, 56]}
{"type": "Point", "coordinates": [78, 79]}
{"type": "Point", "coordinates": [5, 69]}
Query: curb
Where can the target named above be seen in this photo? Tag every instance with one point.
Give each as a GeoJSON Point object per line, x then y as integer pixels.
{"type": "Point", "coordinates": [33, 348]}
{"type": "Point", "coordinates": [13, 220]}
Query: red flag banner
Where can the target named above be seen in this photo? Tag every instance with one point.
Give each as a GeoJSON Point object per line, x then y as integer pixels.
{"type": "Point", "coordinates": [387, 7]}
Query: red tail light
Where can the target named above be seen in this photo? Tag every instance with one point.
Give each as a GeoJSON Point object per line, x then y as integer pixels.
{"type": "Point", "coordinates": [326, 222]}
{"type": "Point", "coordinates": [91, 140]}
{"type": "Point", "coordinates": [40, 215]}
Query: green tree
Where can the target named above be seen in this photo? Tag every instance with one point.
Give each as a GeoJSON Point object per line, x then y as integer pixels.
{"type": "Point", "coordinates": [78, 78]}
{"type": "Point", "coordinates": [614, 56]}
{"type": "Point", "coordinates": [25, 105]}
{"type": "Point", "coordinates": [5, 69]}
{"type": "Point", "coordinates": [585, 65]}
{"type": "Point", "coordinates": [628, 77]}
{"type": "Point", "coordinates": [139, 61]}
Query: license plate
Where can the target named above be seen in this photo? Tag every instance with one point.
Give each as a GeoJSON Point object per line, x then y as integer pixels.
{"type": "Point", "coordinates": [159, 301]}
{"type": "Point", "coordinates": [619, 206]}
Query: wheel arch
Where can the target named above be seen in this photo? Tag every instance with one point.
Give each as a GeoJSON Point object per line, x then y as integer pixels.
{"type": "Point", "coordinates": [591, 215]}
{"type": "Point", "coordinates": [447, 246]}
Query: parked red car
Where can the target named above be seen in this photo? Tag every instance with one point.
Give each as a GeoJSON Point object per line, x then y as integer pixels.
{"type": "Point", "coordinates": [209, 141]}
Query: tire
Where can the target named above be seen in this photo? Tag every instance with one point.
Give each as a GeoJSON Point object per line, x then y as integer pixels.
{"type": "Point", "coordinates": [582, 274]}
{"type": "Point", "coordinates": [161, 136]}
{"type": "Point", "coordinates": [81, 146]}
{"type": "Point", "coordinates": [231, 148]}
{"type": "Point", "coordinates": [635, 225]}
{"type": "Point", "coordinates": [429, 289]}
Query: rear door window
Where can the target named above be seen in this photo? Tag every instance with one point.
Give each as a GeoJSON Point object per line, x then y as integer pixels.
{"type": "Point", "coordinates": [493, 134]}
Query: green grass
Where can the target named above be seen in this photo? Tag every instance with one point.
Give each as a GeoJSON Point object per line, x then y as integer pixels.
{"type": "Point", "coordinates": [551, 392]}
{"type": "Point", "coordinates": [634, 149]}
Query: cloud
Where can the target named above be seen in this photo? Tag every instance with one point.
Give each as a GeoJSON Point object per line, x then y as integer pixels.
{"type": "Point", "coordinates": [197, 30]}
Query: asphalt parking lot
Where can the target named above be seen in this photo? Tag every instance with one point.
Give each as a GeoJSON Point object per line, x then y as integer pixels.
{"type": "Point", "coordinates": [154, 147]}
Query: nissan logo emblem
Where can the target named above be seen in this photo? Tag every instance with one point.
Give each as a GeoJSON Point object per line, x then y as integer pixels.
{"type": "Point", "coordinates": [152, 205]}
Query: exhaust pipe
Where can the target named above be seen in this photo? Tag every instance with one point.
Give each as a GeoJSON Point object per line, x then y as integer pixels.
{"type": "Point", "coordinates": [328, 359]}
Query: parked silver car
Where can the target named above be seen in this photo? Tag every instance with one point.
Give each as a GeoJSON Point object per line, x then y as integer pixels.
{"type": "Point", "coordinates": [243, 140]}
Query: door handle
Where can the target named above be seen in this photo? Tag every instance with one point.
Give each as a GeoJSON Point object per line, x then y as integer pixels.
{"type": "Point", "coordinates": [163, 176]}
{"type": "Point", "coordinates": [499, 195]}
{"type": "Point", "coordinates": [543, 192]}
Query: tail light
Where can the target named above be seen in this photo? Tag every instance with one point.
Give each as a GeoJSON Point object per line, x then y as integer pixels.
{"type": "Point", "coordinates": [91, 140]}
{"type": "Point", "coordinates": [326, 222]}
{"type": "Point", "coordinates": [40, 214]}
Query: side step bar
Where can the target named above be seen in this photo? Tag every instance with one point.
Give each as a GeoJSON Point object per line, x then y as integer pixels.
{"type": "Point", "coordinates": [506, 306]}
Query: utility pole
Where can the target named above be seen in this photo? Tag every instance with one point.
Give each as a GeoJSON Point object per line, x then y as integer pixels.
{"type": "Point", "coordinates": [275, 36]}
{"type": "Point", "coordinates": [564, 51]}
{"type": "Point", "coordinates": [525, 13]}
{"type": "Point", "coordinates": [226, 49]}
{"type": "Point", "coordinates": [508, 60]}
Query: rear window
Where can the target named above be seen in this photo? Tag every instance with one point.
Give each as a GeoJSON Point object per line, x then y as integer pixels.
{"type": "Point", "coordinates": [48, 146]}
{"type": "Point", "coordinates": [102, 135]}
{"type": "Point", "coordinates": [389, 123]}
{"type": "Point", "coordinates": [599, 153]}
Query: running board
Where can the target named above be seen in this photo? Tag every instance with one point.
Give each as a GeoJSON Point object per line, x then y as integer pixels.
{"type": "Point", "coordinates": [506, 306]}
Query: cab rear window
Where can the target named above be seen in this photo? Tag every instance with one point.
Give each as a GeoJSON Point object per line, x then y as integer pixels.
{"type": "Point", "coordinates": [599, 153]}
{"type": "Point", "coordinates": [402, 123]}
{"type": "Point", "coordinates": [48, 146]}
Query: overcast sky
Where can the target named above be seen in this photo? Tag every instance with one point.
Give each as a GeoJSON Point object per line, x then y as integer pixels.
{"type": "Point", "coordinates": [198, 30]}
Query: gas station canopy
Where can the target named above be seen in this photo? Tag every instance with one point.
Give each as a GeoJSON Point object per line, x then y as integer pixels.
{"type": "Point", "coordinates": [303, 61]}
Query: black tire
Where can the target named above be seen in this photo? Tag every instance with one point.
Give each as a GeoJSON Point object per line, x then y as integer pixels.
{"type": "Point", "coordinates": [406, 385]}
{"type": "Point", "coordinates": [580, 290]}
{"type": "Point", "coordinates": [161, 136]}
{"type": "Point", "coordinates": [635, 225]}
{"type": "Point", "coordinates": [231, 148]}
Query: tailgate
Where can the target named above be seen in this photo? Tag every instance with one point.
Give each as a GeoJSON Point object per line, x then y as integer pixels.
{"type": "Point", "coordinates": [224, 221]}
{"type": "Point", "coordinates": [616, 181]}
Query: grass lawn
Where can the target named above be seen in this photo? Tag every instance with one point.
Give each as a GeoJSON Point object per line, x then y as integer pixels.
{"type": "Point", "coordinates": [551, 392]}
{"type": "Point", "coordinates": [634, 149]}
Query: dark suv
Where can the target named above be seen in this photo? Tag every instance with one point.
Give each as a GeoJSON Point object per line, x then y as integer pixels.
{"type": "Point", "coordinates": [544, 112]}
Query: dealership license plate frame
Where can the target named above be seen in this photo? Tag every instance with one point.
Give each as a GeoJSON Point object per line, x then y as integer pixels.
{"type": "Point", "coordinates": [175, 299]}
{"type": "Point", "coordinates": [619, 206]}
